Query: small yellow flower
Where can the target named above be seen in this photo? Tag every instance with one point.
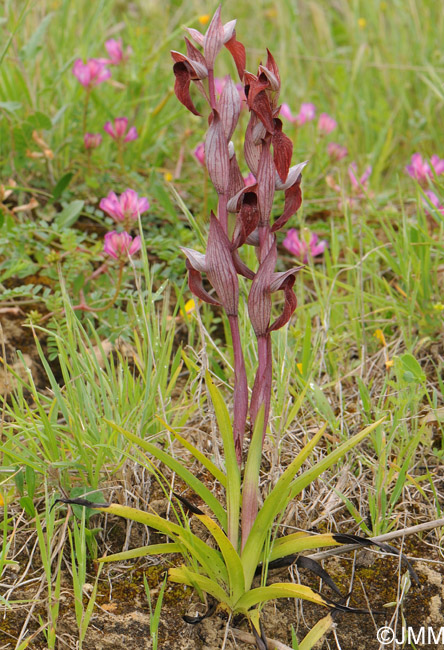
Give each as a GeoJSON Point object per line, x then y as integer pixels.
{"type": "Point", "coordinates": [389, 363]}
{"type": "Point", "coordinates": [299, 367]}
{"type": "Point", "coordinates": [271, 13]}
{"type": "Point", "coordinates": [362, 23]}
{"type": "Point", "coordinates": [204, 19]}
{"type": "Point", "coordinates": [168, 177]}
{"type": "Point", "coordinates": [189, 306]}
{"type": "Point", "coordinates": [379, 334]}
{"type": "Point", "coordinates": [438, 306]}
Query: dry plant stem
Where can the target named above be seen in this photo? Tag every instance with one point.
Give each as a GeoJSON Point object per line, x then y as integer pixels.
{"type": "Point", "coordinates": [412, 530]}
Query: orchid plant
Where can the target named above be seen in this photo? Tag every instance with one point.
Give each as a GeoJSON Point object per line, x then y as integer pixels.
{"type": "Point", "coordinates": [243, 542]}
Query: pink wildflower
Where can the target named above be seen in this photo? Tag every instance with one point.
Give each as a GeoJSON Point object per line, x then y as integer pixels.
{"type": "Point", "coordinates": [91, 73]}
{"type": "Point", "coordinates": [115, 50]}
{"type": "Point", "coordinates": [219, 85]}
{"type": "Point", "coordinates": [92, 140]}
{"type": "Point", "coordinates": [299, 247]}
{"type": "Point", "coordinates": [359, 187]}
{"type": "Point", "coordinates": [307, 112]}
{"type": "Point", "coordinates": [437, 164]}
{"type": "Point", "coordinates": [336, 151]}
{"type": "Point", "coordinates": [286, 113]}
{"type": "Point", "coordinates": [419, 168]}
{"type": "Point", "coordinates": [126, 208]}
{"type": "Point", "coordinates": [326, 123]}
{"type": "Point", "coordinates": [120, 244]}
{"type": "Point", "coordinates": [434, 200]}
{"type": "Point", "coordinates": [118, 129]}
{"type": "Point", "coordinates": [361, 183]}
{"type": "Point", "coordinates": [199, 153]}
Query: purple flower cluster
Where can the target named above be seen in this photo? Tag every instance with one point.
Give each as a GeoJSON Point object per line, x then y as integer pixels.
{"type": "Point", "coordinates": [125, 210]}
{"type": "Point", "coordinates": [305, 245]}
{"type": "Point", "coordinates": [326, 124]}
{"type": "Point", "coordinates": [425, 174]}
{"type": "Point", "coordinates": [91, 74]}
{"type": "Point", "coordinates": [358, 186]}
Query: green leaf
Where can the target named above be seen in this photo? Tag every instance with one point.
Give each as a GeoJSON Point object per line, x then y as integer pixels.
{"type": "Point", "coordinates": [28, 506]}
{"type": "Point", "coordinates": [61, 186]}
{"type": "Point", "coordinates": [30, 481]}
{"type": "Point", "coordinates": [208, 557]}
{"type": "Point", "coordinates": [316, 633]}
{"type": "Point", "coordinates": [273, 504]}
{"type": "Point", "coordinates": [412, 369]}
{"type": "Point", "coordinates": [85, 492]}
{"type": "Point", "coordinates": [198, 455]}
{"type": "Point", "coordinates": [39, 121]}
{"type": "Point", "coordinates": [299, 542]}
{"type": "Point", "coordinates": [232, 560]}
{"type": "Point", "coordinates": [195, 484]}
{"type": "Point", "coordinates": [278, 590]}
{"type": "Point", "coordinates": [69, 215]}
{"type": "Point", "coordinates": [233, 473]}
{"type": "Point", "coordinates": [187, 577]}
{"type": "Point", "coordinates": [35, 42]}
{"type": "Point", "coordinates": [10, 107]}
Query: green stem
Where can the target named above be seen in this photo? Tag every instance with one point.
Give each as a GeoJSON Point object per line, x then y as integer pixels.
{"type": "Point", "coordinates": [85, 110]}
{"type": "Point", "coordinates": [120, 155]}
{"type": "Point", "coordinates": [116, 293]}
